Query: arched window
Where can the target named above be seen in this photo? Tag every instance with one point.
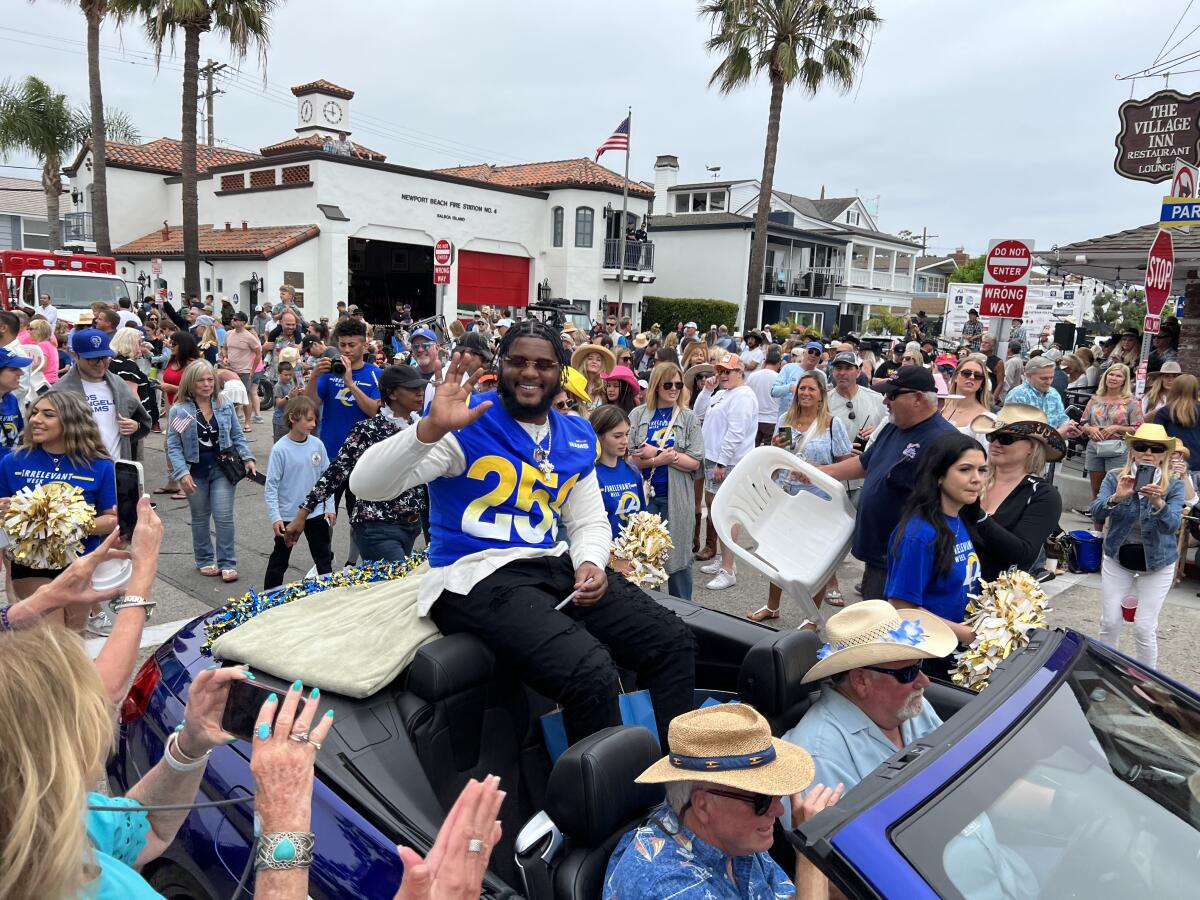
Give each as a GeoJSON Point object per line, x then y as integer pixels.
{"type": "Point", "coordinates": [557, 226]}
{"type": "Point", "coordinates": [585, 219]}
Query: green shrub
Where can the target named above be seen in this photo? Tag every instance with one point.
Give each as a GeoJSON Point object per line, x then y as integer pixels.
{"type": "Point", "coordinates": [705, 313]}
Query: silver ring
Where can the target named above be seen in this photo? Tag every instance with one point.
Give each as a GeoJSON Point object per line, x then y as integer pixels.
{"type": "Point", "coordinates": [301, 736]}
{"type": "Point", "coordinates": [474, 845]}
{"type": "Point", "coordinates": [316, 744]}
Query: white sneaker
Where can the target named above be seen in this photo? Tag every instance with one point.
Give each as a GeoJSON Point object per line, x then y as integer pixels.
{"type": "Point", "coordinates": [100, 624]}
{"type": "Point", "coordinates": [722, 581]}
{"type": "Point", "coordinates": [712, 568]}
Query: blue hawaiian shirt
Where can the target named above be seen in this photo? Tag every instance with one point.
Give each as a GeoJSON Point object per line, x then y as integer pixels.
{"type": "Point", "coordinates": [1050, 402]}
{"type": "Point", "coordinates": [664, 859]}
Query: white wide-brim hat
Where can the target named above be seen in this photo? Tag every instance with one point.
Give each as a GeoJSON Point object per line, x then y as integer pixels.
{"type": "Point", "coordinates": [872, 632]}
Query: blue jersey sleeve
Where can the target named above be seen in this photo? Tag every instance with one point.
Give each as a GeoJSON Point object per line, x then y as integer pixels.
{"type": "Point", "coordinates": [910, 558]}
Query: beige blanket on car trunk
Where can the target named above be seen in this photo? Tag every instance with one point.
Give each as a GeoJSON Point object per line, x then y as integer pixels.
{"type": "Point", "coordinates": [350, 640]}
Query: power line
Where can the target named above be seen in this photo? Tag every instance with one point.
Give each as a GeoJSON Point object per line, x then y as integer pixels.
{"type": "Point", "coordinates": [1162, 51]}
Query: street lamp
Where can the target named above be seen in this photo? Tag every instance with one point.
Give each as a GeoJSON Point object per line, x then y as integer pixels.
{"type": "Point", "coordinates": [544, 291]}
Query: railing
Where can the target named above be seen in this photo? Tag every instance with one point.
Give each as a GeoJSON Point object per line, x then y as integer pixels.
{"type": "Point", "coordinates": [814, 281]}
{"type": "Point", "coordinates": [860, 278]}
{"type": "Point", "coordinates": [884, 281]}
{"type": "Point", "coordinates": [77, 228]}
{"type": "Point", "coordinates": [639, 255]}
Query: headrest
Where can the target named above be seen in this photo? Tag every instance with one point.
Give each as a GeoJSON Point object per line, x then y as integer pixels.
{"type": "Point", "coordinates": [450, 665]}
{"type": "Point", "coordinates": [592, 793]}
{"type": "Point", "coordinates": [772, 670]}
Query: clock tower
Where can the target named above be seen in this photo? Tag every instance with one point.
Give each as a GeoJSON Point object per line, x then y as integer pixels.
{"type": "Point", "coordinates": [322, 107]}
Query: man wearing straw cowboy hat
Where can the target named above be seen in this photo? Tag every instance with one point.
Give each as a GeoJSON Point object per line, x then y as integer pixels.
{"type": "Point", "coordinates": [725, 777]}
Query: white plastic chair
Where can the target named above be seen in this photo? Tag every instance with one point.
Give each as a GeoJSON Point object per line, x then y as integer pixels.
{"type": "Point", "coordinates": [798, 541]}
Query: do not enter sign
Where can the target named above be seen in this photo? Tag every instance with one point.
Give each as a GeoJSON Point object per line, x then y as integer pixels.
{"type": "Point", "coordinates": [1160, 272]}
{"type": "Point", "coordinates": [441, 252]}
{"type": "Point", "coordinates": [1006, 278]}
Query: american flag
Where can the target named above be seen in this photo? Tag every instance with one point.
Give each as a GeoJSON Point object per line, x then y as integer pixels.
{"type": "Point", "coordinates": [619, 140]}
{"type": "Point", "coordinates": [181, 422]}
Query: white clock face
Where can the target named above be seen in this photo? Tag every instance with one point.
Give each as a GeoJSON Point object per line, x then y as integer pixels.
{"type": "Point", "coordinates": [306, 111]}
{"type": "Point", "coordinates": [332, 112]}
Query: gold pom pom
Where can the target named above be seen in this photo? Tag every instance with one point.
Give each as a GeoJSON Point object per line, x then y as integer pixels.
{"type": "Point", "coordinates": [1002, 615]}
{"type": "Point", "coordinates": [47, 524]}
{"type": "Point", "coordinates": [645, 544]}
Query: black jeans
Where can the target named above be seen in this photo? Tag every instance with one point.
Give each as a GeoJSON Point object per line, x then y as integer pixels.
{"type": "Point", "coordinates": [874, 581]}
{"type": "Point", "coordinates": [352, 552]}
{"type": "Point", "coordinates": [317, 533]}
{"type": "Point", "coordinates": [572, 656]}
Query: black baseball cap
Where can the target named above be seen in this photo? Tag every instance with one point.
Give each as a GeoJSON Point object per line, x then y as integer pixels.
{"type": "Point", "coordinates": [241, 316]}
{"type": "Point", "coordinates": [474, 342]}
{"type": "Point", "coordinates": [399, 377]}
{"type": "Point", "coordinates": [907, 380]}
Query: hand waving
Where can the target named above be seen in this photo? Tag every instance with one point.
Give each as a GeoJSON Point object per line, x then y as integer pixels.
{"type": "Point", "coordinates": [448, 411]}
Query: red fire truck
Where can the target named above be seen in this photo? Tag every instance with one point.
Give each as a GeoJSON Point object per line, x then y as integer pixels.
{"type": "Point", "coordinates": [74, 281]}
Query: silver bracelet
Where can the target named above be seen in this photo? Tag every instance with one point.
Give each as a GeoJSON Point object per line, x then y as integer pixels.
{"type": "Point", "coordinates": [284, 850]}
{"type": "Point", "coordinates": [128, 601]}
{"type": "Point", "coordinates": [180, 761]}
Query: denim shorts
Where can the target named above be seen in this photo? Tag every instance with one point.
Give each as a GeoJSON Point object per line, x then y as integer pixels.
{"type": "Point", "coordinates": [713, 486]}
{"type": "Point", "coordinates": [1094, 463]}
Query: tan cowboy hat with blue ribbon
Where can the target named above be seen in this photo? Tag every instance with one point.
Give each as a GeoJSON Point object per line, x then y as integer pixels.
{"type": "Point", "coordinates": [731, 744]}
{"type": "Point", "coordinates": [873, 632]}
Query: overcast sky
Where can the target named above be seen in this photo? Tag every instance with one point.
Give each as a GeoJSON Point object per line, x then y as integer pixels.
{"type": "Point", "coordinates": [973, 119]}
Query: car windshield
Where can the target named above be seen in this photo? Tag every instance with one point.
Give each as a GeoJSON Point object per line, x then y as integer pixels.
{"type": "Point", "coordinates": [81, 291]}
{"type": "Point", "coordinates": [1097, 795]}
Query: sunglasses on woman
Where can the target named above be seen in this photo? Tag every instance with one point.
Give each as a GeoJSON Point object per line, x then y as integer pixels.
{"type": "Point", "coordinates": [672, 385]}
{"type": "Point", "coordinates": [563, 405]}
{"type": "Point", "coordinates": [907, 675]}
{"type": "Point", "coordinates": [1007, 438]}
{"type": "Point", "coordinates": [760, 802]}
{"type": "Point", "coordinates": [1139, 447]}
{"type": "Point", "coordinates": [970, 373]}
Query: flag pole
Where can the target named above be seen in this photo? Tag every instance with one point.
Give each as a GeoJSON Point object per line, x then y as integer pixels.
{"type": "Point", "coordinates": [624, 212]}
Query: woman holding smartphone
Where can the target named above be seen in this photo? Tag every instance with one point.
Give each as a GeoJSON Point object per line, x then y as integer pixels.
{"type": "Point", "coordinates": [1141, 505]}
{"type": "Point", "coordinates": [61, 442]}
{"type": "Point", "coordinates": [183, 353]}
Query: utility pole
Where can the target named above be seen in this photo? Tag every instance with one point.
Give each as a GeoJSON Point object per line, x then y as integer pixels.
{"type": "Point", "coordinates": [209, 93]}
{"type": "Point", "coordinates": [925, 236]}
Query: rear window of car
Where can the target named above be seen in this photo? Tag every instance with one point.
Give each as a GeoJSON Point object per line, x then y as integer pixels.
{"type": "Point", "coordinates": [1096, 795]}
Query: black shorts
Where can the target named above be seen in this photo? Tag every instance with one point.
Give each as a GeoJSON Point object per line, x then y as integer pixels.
{"type": "Point", "coordinates": [19, 571]}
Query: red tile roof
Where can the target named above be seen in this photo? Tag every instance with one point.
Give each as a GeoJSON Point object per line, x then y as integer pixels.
{"type": "Point", "coordinates": [316, 142]}
{"type": "Point", "coordinates": [253, 243]}
{"type": "Point", "coordinates": [581, 172]}
{"type": "Point", "coordinates": [163, 155]}
{"type": "Point", "coordinates": [324, 86]}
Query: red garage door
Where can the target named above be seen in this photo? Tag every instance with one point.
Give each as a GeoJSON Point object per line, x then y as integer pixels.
{"type": "Point", "coordinates": [492, 279]}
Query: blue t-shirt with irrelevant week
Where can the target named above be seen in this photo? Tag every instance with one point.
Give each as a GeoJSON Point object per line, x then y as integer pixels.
{"type": "Point", "coordinates": [911, 569]}
{"type": "Point", "coordinates": [339, 410]}
{"type": "Point", "coordinates": [621, 488]}
{"type": "Point", "coordinates": [11, 423]}
{"type": "Point", "coordinates": [891, 465]}
{"type": "Point", "coordinates": [30, 468]}
{"type": "Point", "coordinates": [660, 435]}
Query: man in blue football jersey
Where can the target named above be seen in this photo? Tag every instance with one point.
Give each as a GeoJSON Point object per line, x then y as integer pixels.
{"type": "Point", "coordinates": [505, 471]}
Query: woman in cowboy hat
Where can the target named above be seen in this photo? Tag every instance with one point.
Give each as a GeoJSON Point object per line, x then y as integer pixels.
{"type": "Point", "coordinates": [621, 388]}
{"type": "Point", "coordinates": [1019, 509]}
{"type": "Point", "coordinates": [725, 776]}
{"type": "Point", "coordinates": [594, 360]}
{"type": "Point", "coordinates": [1140, 546]}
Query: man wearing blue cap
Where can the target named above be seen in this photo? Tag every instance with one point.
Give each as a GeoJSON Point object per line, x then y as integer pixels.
{"type": "Point", "coordinates": [119, 414]}
{"type": "Point", "coordinates": [805, 360]}
{"type": "Point", "coordinates": [11, 421]}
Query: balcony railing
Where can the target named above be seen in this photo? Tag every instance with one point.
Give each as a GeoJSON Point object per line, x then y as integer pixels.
{"type": "Point", "coordinates": [639, 255]}
{"type": "Point", "coordinates": [884, 281]}
{"type": "Point", "coordinates": [814, 281]}
{"type": "Point", "coordinates": [77, 228]}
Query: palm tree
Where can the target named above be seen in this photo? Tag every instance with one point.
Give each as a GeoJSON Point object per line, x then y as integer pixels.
{"type": "Point", "coordinates": [243, 23]}
{"type": "Point", "coordinates": [805, 42]}
{"type": "Point", "coordinates": [94, 11]}
{"type": "Point", "coordinates": [35, 119]}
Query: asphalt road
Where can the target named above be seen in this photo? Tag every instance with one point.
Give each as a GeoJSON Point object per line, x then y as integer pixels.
{"type": "Point", "coordinates": [183, 593]}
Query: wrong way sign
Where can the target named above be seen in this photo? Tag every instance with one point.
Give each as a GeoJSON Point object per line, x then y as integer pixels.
{"type": "Point", "coordinates": [1006, 271]}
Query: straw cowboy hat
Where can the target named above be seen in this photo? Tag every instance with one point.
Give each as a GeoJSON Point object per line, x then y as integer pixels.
{"type": "Point", "coordinates": [872, 632]}
{"type": "Point", "coordinates": [1152, 434]}
{"type": "Point", "coordinates": [640, 341]}
{"type": "Point", "coordinates": [1026, 421]}
{"type": "Point", "coordinates": [570, 328]}
{"type": "Point", "coordinates": [694, 372]}
{"type": "Point", "coordinates": [731, 745]}
{"type": "Point", "coordinates": [581, 354]}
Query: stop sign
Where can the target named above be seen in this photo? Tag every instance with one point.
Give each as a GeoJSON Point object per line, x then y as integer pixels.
{"type": "Point", "coordinates": [1160, 272]}
{"type": "Point", "coordinates": [1009, 262]}
{"type": "Point", "coordinates": [441, 252]}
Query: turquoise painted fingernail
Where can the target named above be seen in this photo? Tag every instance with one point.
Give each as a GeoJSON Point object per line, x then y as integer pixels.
{"type": "Point", "coordinates": [179, 727]}
{"type": "Point", "coordinates": [263, 731]}
{"type": "Point", "coordinates": [296, 685]}
{"type": "Point", "coordinates": [329, 713]}
{"type": "Point", "coordinates": [272, 698]}
{"type": "Point", "coordinates": [215, 666]}
{"type": "Point", "coordinates": [314, 694]}
{"type": "Point", "coordinates": [250, 676]}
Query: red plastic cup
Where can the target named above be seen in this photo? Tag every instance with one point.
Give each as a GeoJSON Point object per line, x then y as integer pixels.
{"type": "Point", "coordinates": [1129, 608]}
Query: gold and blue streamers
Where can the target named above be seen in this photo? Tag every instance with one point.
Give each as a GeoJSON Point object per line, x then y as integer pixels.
{"type": "Point", "coordinates": [250, 604]}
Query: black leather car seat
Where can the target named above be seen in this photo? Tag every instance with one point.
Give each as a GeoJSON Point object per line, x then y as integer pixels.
{"type": "Point", "coordinates": [770, 676]}
{"type": "Point", "coordinates": [593, 799]}
{"type": "Point", "coordinates": [468, 720]}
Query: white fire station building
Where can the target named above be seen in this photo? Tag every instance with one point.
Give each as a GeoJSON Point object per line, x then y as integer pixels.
{"type": "Point", "coordinates": [337, 221]}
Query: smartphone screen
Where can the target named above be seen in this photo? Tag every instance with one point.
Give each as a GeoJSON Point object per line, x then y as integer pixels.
{"type": "Point", "coordinates": [242, 707]}
{"type": "Point", "coordinates": [1145, 476]}
{"type": "Point", "coordinates": [131, 484]}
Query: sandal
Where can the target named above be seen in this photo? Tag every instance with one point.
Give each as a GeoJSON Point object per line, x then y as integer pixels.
{"type": "Point", "coordinates": [229, 575]}
{"type": "Point", "coordinates": [164, 490]}
{"type": "Point", "coordinates": [807, 625]}
{"type": "Point", "coordinates": [834, 598]}
{"type": "Point", "coordinates": [762, 614]}
{"type": "Point", "coordinates": [209, 571]}
{"type": "Point", "coordinates": [180, 496]}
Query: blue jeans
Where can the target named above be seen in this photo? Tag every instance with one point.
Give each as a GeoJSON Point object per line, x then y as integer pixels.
{"type": "Point", "coordinates": [388, 541]}
{"type": "Point", "coordinates": [679, 584]}
{"type": "Point", "coordinates": [213, 498]}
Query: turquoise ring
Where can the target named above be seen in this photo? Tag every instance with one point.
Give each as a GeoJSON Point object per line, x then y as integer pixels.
{"type": "Point", "coordinates": [263, 731]}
